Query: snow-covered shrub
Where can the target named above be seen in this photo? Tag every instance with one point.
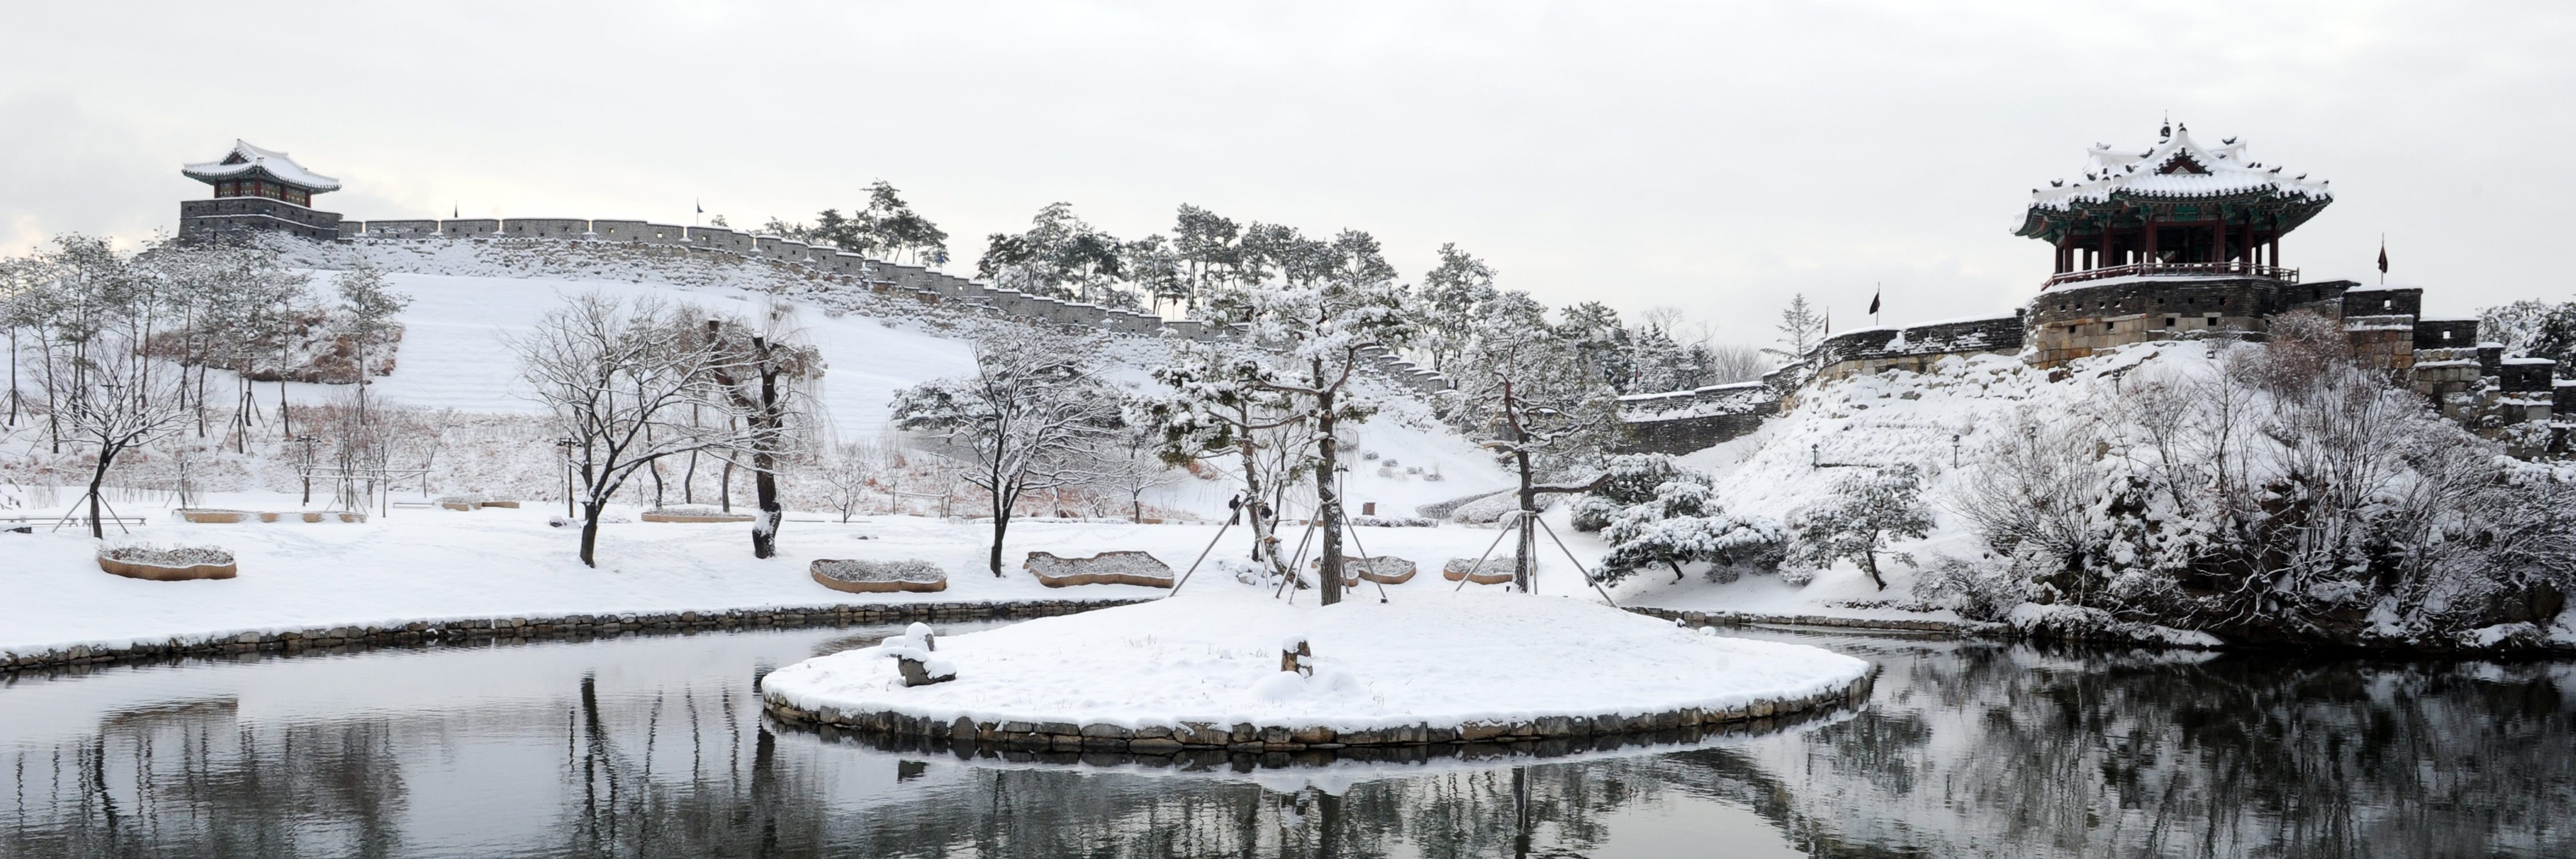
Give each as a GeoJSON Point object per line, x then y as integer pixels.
{"type": "Point", "coordinates": [1866, 512]}
{"type": "Point", "coordinates": [1673, 523]}
{"type": "Point", "coordinates": [2274, 492]}
{"type": "Point", "coordinates": [1632, 480]}
{"type": "Point", "coordinates": [1494, 508]}
{"type": "Point", "coordinates": [1982, 589]}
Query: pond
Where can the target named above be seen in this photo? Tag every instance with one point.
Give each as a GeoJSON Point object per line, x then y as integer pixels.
{"type": "Point", "coordinates": [656, 746]}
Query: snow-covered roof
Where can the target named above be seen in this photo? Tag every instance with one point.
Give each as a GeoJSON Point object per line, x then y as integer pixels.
{"type": "Point", "coordinates": [245, 159]}
{"type": "Point", "coordinates": [2177, 169]}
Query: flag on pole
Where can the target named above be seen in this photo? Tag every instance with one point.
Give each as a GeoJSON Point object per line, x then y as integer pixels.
{"type": "Point", "coordinates": [1873, 301]}
{"type": "Point", "coordinates": [2383, 259]}
{"type": "Point", "coordinates": [1829, 320]}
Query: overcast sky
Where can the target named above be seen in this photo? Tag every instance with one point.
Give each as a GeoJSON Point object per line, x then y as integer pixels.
{"type": "Point", "coordinates": [1714, 157]}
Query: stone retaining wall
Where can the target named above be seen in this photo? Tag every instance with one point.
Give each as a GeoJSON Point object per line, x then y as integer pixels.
{"type": "Point", "coordinates": [1730, 618]}
{"type": "Point", "coordinates": [1266, 739]}
{"type": "Point", "coordinates": [1213, 758]}
{"type": "Point", "coordinates": [566, 626]}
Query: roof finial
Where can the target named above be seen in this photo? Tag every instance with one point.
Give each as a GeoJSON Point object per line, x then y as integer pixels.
{"type": "Point", "coordinates": [2165, 132]}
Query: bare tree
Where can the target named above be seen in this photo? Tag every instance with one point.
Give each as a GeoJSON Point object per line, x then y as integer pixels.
{"type": "Point", "coordinates": [1735, 362]}
{"type": "Point", "coordinates": [1131, 466]}
{"type": "Point", "coordinates": [1032, 417]}
{"type": "Point", "coordinates": [852, 468]}
{"type": "Point", "coordinates": [620, 377]}
{"type": "Point", "coordinates": [103, 388]}
{"type": "Point", "coordinates": [765, 374]}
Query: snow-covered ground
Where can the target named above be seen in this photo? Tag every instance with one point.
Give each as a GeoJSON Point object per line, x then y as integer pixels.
{"type": "Point", "coordinates": [1894, 418]}
{"type": "Point", "coordinates": [435, 565]}
{"type": "Point", "coordinates": [1212, 656]}
{"type": "Point", "coordinates": [416, 565]}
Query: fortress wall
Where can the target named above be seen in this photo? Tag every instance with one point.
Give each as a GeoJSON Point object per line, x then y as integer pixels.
{"type": "Point", "coordinates": [879, 276]}
{"type": "Point", "coordinates": [1916, 347]}
{"type": "Point", "coordinates": [545, 228]}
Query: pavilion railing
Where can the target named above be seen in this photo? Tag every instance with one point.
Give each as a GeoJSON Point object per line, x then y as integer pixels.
{"type": "Point", "coordinates": [2203, 269]}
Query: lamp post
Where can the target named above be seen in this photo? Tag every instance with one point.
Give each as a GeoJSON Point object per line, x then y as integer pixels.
{"type": "Point", "coordinates": [567, 445]}
{"type": "Point", "coordinates": [1816, 455]}
{"type": "Point", "coordinates": [1954, 450]}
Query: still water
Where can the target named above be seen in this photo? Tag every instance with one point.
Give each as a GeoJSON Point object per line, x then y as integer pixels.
{"type": "Point", "coordinates": [655, 746]}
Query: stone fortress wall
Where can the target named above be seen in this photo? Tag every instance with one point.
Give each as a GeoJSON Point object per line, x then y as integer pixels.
{"type": "Point", "coordinates": [877, 275]}
{"type": "Point", "coordinates": [2467, 380]}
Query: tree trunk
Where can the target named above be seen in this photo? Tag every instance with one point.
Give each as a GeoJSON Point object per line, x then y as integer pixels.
{"type": "Point", "coordinates": [764, 527]}
{"type": "Point", "coordinates": [1869, 564]}
{"type": "Point", "coordinates": [590, 533]}
{"type": "Point", "coordinates": [1265, 548]}
{"type": "Point", "coordinates": [1001, 523]}
{"type": "Point", "coordinates": [1525, 550]}
{"type": "Point", "coordinates": [1328, 504]}
{"type": "Point", "coordinates": [97, 476]}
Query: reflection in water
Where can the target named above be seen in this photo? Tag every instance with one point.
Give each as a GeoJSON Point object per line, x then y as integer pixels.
{"type": "Point", "coordinates": [654, 746]}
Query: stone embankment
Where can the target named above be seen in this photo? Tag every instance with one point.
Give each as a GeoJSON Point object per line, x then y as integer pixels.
{"type": "Point", "coordinates": [1731, 618]}
{"type": "Point", "coordinates": [1246, 737]}
{"type": "Point", "coordinates": [508, 629]}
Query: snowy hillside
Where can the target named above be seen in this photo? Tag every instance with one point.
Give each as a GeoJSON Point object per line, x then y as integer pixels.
{"type": "Point", "coordinates": [467, 300]}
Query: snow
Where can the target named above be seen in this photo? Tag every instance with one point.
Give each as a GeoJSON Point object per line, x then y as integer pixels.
{"type": "Point", "coordinates": [255, 158]}
{"type": "Point", "coordinates": [1435, 658]}
{"type": "Point", "coordinates": [2124, 174]}
{"type": "Point", "coordinates": [453, 354]}
{"type": "Point", "coordinates": [434, 565]}
{"type": "Point", "coordinates": [1891, 418]}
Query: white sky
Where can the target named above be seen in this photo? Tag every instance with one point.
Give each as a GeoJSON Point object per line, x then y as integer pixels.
{"type": "Point", "coordinates": [1717, 157]}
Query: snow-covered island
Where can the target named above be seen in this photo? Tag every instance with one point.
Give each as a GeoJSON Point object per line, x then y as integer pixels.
{"type": "Point", "coordinates": [1205, 670]}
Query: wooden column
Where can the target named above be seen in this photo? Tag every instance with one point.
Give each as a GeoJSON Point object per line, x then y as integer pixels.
{"type": "Point", "coordinates": [2150, 243]}
{"type": "Point", "coordinates": [2218, 238]}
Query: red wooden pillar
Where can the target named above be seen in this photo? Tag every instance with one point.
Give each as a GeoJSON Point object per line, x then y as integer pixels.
{"type": "Point", "coordinates": [2151, 238]}
{"type": "Point", "coordinates": [2218, 240]}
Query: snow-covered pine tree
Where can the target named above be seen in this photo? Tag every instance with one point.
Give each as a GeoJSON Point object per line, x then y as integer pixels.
{"type": "Point", "coordinates": [370, 303]}
{"type": "Point", "coordinates": [1221, 403]}
{"type": "Point", "coordinates": [1866, 512]}
{"type": "Point", "coordinates": [1334, 301]}
{"type": "Point", "coordinates": [1654, 512]}
{"type": "Point", "coordinates": [1527, 393]}
{"type": "Point", "coordinates": [1450, 293]}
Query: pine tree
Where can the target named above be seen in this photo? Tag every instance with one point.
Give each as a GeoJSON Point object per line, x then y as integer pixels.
{"type": "Point", "coordinates": [1864, 514]}
{"type": "Point", "coordinates": [1801, 328]}
{"type": "Point", "coordinates": [1450, 295]}
{"type": "Point", "coordinates": [1529, 395]}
